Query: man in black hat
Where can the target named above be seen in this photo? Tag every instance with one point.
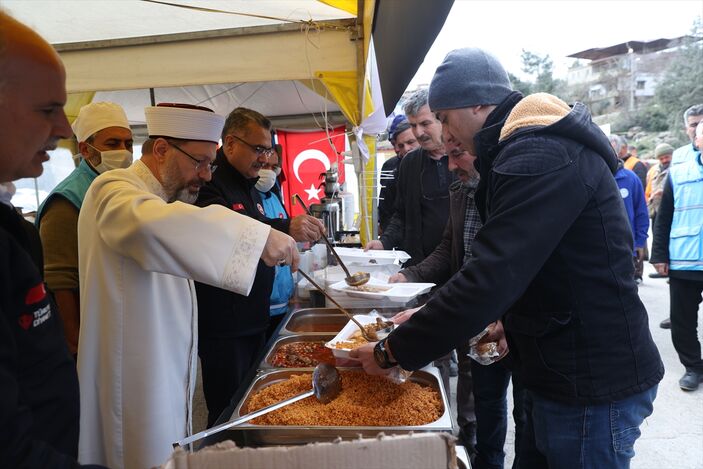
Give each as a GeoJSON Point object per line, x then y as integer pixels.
{"type": "Point", "coordinates": [404, 141]}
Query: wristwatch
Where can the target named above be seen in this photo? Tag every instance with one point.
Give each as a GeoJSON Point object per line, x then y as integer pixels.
{"type": "Point", "coordinates": [380, 354]}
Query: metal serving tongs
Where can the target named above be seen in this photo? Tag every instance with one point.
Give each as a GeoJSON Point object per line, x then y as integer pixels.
{"type": "Point", "coordinates": [355, 280]}
{"type": "Point", "coordinates": [368, 334]}
{"type": "Point", "coordinates": [326, 385]}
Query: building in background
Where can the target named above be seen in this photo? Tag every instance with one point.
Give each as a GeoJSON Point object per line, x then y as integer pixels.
{"type": "Point", "coordinates": [622, 76]}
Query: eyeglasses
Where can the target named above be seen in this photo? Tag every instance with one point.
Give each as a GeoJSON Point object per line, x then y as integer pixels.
{"type": "Point", "coordinates": [258, 149]}
{"type": "Point", "coordinates": [199, 164]}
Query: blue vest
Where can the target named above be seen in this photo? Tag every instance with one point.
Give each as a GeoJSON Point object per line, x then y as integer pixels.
{"type": "Point", "coordinates": [683, 154]}
{"type": "Point", "coordinates": [686, 237]}
{"type": "Point", "coordinates": [73, 188]}
{"type": "Point", "coordinates": [283, 285]}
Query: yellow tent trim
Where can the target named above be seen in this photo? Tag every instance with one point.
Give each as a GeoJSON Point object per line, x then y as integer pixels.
{"type": "Point", "coordinates": [74, 103]}
{"type": "Point", "coordinates": [347, 5]}
{"type": "Point", "coordinates": [343, 87]}
{"type": "Point", "coordinates": [369, 190]}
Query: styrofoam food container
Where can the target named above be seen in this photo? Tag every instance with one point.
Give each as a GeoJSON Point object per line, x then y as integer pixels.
{"type": "Point", "coordinates": [347, 331]}
{"type": "Point", "coordinates": [397, 292]}
{"type": "Point", "coordinates": [357, 256]}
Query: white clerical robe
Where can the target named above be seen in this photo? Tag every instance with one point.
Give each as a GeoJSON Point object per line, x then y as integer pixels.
{"type": "Point", "coordinates": [138, 257]}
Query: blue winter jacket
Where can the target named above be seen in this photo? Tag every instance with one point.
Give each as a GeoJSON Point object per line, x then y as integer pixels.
{"type": "Point", "coordinates": [283, 285]}
{"type": "Point", "coordinates": [635, 205]}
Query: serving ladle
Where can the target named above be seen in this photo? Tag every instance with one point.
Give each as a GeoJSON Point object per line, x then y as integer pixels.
{"type": "Point", "coordinates": [326, 385]}
{"type": "Point", "coordinates": [368, 334]}
{"type": "Point", "coordinates": [359, 278]}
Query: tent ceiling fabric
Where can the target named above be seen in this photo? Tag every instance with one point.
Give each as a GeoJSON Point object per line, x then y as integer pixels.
{"type": "Point", "coordinates": [130, 44]}
{"type": "Point", "coordinates": [402, 35]}
{"type": "Point", "coordinates": [137, 44]}
{"type": "Point", "coordinates": [220, 60]}
{"type": "Point", "coordinates": [69, 21]}
{"type": "Point", "coordinates": [272, 99]}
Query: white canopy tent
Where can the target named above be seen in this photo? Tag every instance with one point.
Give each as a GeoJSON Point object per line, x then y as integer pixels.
{"type": "Point", "coordinates": [300, 59]}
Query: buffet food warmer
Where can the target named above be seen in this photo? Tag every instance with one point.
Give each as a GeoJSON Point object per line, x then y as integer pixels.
{"type": "Point", "coordinates": [325, 320]}
{"type": "Point", "coordinates": [252, 434]}
{"type": "Point", "coordinates": [315, 325]}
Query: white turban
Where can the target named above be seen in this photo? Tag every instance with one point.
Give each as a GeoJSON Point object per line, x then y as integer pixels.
{"type": "Point", "coordinates": [95, 117]}
{"type": "Point", "coordinates": [186, 123]}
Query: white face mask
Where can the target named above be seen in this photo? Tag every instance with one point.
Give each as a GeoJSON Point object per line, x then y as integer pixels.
{"type": "Point", "coordinates": [112, 159]}
{"type": "Point", "coordinates": [267, 178]}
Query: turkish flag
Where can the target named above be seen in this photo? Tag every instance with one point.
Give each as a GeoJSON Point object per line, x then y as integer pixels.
{"type": "Point", "coordinates": [306, 157]}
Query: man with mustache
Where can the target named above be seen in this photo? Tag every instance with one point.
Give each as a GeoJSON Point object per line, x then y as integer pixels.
{"type": "Point", "coordinates": [691, 118]}
{"type": "Point", "coordinates": [232, 326]}
{"type": "Point", "coordinates": [422, 190]}
{"type": "Point", "coordinates": [141, 245]}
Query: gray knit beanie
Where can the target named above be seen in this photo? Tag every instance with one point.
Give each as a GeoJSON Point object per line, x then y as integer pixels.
{"type": "Point", "coordinates": [663, 149]}
{"type": "Point", "coordinates": [468, 77]}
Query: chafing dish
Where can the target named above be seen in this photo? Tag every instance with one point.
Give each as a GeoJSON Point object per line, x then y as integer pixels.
{"type": "Point", "coordinates": [262, 435]}
{"type": "Point", "coordinates": [325, 320]}
{"type": "Point", "coordinates": [289, 339]}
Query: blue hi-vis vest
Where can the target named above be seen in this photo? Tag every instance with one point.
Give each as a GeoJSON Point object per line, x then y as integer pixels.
{"type": "Point", "coordinates": [73, 188]}
{"type": "Point", "coordinates": [686, 236]}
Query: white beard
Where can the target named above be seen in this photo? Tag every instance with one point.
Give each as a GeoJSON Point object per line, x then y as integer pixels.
{"type": "Point", "coordinates": [185, 196]}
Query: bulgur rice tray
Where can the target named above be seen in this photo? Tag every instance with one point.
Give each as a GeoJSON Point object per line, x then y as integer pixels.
{"type": "Point", "coordinates": [364, 401]}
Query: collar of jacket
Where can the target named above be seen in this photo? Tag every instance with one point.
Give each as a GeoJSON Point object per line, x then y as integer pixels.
{"type": "Point", "coordinates": [486, 140]}
{"type": "Point", "coordinates": [231, 172]}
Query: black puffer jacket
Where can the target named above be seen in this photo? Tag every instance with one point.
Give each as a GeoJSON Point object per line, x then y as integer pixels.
{"type": "Point", "coordinates": [553, 260]}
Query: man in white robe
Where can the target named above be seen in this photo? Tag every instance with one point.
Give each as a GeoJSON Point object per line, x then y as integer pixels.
{"type": "Point", "coordinates": [140, 248]}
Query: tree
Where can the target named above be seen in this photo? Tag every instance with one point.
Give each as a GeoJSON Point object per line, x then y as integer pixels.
{"type": "Point", "coordinates": [540, 68]}
{"type": "Point", "coordinates": [682, 85]}
{"type": "Point", "coordinates": [523, 87]}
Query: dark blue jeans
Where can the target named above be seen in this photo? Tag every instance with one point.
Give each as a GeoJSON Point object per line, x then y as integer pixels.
{"type": "Point", "coordinates": [562, 436]}
{"type": "Point", "coordinates": [490, 401]}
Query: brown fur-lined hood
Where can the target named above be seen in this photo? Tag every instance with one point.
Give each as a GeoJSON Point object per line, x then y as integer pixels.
{"type": "Point", "coordinates": [543, 112]}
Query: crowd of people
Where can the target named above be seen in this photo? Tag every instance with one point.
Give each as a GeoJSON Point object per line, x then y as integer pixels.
{"type": "Point", "coordinates": [531, 221]}
{"type": "Point", "coordinates": [539, 251]}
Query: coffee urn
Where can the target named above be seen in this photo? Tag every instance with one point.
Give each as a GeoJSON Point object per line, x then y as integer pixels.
{"type": "Point", "coordinates": [329, 208]}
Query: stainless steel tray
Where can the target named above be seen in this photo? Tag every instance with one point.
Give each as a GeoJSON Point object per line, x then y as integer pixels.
{"type": "Point", "coordinates": [287, 339]}
{"type": "Point", "coordinates": [325, 320]}
{"type": "Point", "coordinates": [263, 435]}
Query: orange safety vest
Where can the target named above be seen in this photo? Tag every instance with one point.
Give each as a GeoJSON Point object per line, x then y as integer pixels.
{"type": "Point", "coordinates": [631, 162]}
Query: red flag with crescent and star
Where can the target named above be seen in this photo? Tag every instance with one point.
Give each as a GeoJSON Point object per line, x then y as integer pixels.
{"type": "Point", "coordinates": [306, 155]}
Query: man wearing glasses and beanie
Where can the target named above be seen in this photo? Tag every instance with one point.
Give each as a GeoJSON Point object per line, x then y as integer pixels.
{"type": "Point", "coordinates": [141, 241]}
{"type": "Point", "coordinates": [232, 326]}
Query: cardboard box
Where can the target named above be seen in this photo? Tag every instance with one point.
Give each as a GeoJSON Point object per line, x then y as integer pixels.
{"type": "Point", "coordinates": [414, 451]}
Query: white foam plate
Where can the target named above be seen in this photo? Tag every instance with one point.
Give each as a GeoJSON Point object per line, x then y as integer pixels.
{"type": "Point", "coordinates": [397, 292]}
{"type": "Point", "coordinates": [347, 331]}
{"type": "Point", "coordinates": [357, 256]}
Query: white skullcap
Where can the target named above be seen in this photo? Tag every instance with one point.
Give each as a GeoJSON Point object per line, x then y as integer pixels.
{"type": "Point", "coordinates": [187, 123]}
{"type": "Point", "coordinates": [95, 117]}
